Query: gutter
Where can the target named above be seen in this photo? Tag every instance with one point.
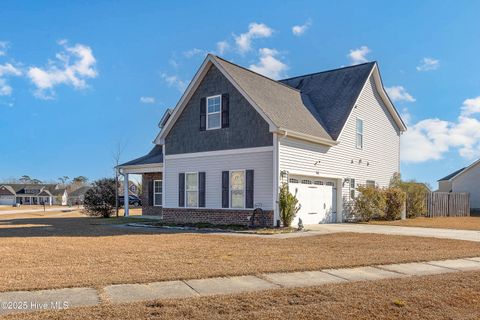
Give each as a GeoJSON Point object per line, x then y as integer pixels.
{"type": "Point", "coordinates": [307, 137]}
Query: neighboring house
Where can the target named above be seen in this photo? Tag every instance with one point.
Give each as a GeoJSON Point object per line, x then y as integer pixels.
{"type": "Point", "coordinates": [77, 196]}
{"type": "Point", "coordinates": [34, 194]}
{"type": "Point", "coordinates": [464, 180]}
{"type": "Point", "coordinates": [235, 136]}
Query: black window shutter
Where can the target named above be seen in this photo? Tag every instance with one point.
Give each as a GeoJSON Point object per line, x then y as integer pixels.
{"type": "Point", "coordinates": [201, 189]}
{"type": "Point", "coordinates": [225, 110]}
{"type": "Point", "coordinates": [203, 114]}
{"type": "Point", "coordinates": [181, 189]}
{"type": "Point", "coordinates": [225, 189]}
{"type": "Point", "coordinates": [249, 189]}
{"type": "Point", "coordinates": [150, 193]}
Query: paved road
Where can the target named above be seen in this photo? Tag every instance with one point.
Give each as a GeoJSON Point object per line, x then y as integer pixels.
{"type": "Point", "coordinates": [468, 235]}
{"type": "Point", "coordinates": [62, 209]}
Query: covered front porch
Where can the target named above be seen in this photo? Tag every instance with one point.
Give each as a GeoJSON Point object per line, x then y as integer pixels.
{"type": "Point", "coordinates": [150, 167]}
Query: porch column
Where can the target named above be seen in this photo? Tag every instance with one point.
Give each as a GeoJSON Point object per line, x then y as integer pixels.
{"type": "Point", "coordinates": [125, 194]}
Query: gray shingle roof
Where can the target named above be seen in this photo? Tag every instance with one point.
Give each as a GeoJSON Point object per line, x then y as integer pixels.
{"type": "Point", "coordinates": [330, 95]}
{"type": "Point", "coordinates": [282, 104]}
{"type": "Point", "coordinates": [453, 174]}
{"type": "Point", "coordinates": [154, 156]}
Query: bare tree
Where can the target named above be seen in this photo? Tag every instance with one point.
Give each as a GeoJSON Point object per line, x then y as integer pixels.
{"type": "Point", "coordinates": [25, 179]}
{"type": "Point", "coordinates": [116, 155]}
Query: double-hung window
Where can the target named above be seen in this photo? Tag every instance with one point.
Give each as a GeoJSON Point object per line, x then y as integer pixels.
{"type": "Point", "coordinates": [214, 112]}
{"type": "Point", "coordinates": [237, 189]}
{"type": "Point", "coordinates": [191, 189]}
{"type": "Point", "coordinates": [359, 133]}
{"type": "Point", "coordinates": [157, 193]}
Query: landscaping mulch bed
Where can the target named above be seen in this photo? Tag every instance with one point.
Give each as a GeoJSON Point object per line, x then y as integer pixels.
{"type": "Point", "coordinates": [461, 223]}
{"type": "Point", "coordinates": [448, 296]}
{"type": "Point", "coordinates": [56, 252]}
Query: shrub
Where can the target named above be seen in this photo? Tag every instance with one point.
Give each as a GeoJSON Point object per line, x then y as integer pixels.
{"type": "Point", "coordinates": [100, 199]}
{"type": "Point", "coordinates": [395, 199]}
{"type": "Point", "coordinates": [416, 195]}
{"type": "Point", "coordinates": [369, 203]}
{"type": "Point", "coordinates": [288, 204]}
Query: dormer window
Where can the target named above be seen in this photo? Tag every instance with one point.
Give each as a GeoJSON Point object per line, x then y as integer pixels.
{"type": "Point", "coordinates": [214, 112]}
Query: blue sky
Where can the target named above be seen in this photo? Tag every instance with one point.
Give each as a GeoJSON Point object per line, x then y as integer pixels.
{"type": "Point", "coordinates": [77, 78]}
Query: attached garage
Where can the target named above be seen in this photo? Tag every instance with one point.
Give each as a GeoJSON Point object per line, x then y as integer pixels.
{"type": "Point", "coordinates": [317, 197]}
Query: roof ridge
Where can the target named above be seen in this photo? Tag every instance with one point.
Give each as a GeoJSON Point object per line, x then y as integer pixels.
{"type": "Point", "coordinates": [330, 70]}
{"type": "Point", "coordinates": [256, 73]}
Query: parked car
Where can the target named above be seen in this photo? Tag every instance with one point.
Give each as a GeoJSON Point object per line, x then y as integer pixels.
{"type": "Point", "coordinates": [132, 201]}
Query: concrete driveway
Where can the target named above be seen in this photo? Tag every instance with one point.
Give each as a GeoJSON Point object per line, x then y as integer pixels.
{"type": "Point", "coordinates": [467, 235]}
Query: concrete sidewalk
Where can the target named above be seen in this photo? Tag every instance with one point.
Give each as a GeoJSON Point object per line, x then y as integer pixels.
{"type": "Point", "coordinates": [25, 301]}
{"type": "Point", "coordinates": [467, 235]}
{"type": "Point", "coordinates": [62, 209]}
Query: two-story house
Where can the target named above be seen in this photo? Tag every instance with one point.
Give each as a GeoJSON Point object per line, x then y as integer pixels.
{"type": "Point", "coordinates": [235, 136]}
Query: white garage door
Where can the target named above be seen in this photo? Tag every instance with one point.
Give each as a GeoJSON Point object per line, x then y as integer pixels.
{"type": "Point", "coordinates": [317, 198]}
{"type": "Point", "coordinates": [7, 200]}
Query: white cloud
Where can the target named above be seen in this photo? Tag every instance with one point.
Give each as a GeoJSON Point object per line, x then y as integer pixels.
{"type": "Point", "coordinates": [3, 48]}
{"type": "Point", "coordinates": [194, 52]}
{"type": "Point", "coordinates": [359, 55]}
{"type": "Point", "coordinates": [298, 30]}
{"type": "Point", "coordinates": [73, 67]}
{"type": "Point", "coordinates": [430, 139]}
{"type": "Point", "coordinates": [269, 65]}
{"type": "Point", "coordinates": [147, 100]}
{"type": "Point", "coordinates": [428, 64]}
{"type": "Point", "coordinates": [174, 81]}
{"type": "Point", "coordinates": [222, 47]}
{"type": "Point", "coordinates": [7, 70]}
{"type": "Point", "coordinates": [255, 30]}
{"type": "Point", "coordinates": [398, 93]}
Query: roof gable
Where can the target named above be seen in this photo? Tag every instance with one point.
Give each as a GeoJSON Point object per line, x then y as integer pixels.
{"type": "Point", "coordinates": [154, 156]}
{"type": "Point", "coordinates": [460, 172]}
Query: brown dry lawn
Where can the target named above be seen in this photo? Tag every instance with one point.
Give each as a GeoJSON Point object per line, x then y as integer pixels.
{"type": "Point", "coordinates": [449, 296]}
{"type": "Point", "coordinates": [27, 207]}
{"type": "Point", "coordinates": [462, 223]}
{"type": "Point", "coordinates": [70, 251]}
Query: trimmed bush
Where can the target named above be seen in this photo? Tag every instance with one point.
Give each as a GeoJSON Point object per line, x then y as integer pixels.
{"type": "Point", "coordinates": [394, 202]}
{"type": "Point", "coordinates": [100, 199]}
{"type": "Point", "coordinates": [416, 196]}
{"type": "Point", "coordinates": [288, 204]}
{"type": "Point", "coordinates": [370, 203]}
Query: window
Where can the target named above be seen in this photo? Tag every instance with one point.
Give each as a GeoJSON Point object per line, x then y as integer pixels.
{"type": "Point", "coordinates": [214, 112]}
{"type": "Point", "coordinates": [293, 180]}
{"type": "Point", "coordinates": [318, 182]}
{"type": "Point", "coordinates": [191, 189]}
{"type": "Point", "coordinates": [370, 183]}
{"type": "Point", "coordinates": [352, 188]}
{"type": "Point", "coordinates": [157, 193]}
{"type": "Point", "coordinates": [306, 181]}
{"type": "Point", "coordinates": [237, 189]}
{"type": "Point", "coordinates": [359, 133]}
{"type": "Point", "coordinates": [331, 184]}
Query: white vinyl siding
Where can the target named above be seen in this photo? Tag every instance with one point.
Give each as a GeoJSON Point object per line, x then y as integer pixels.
{"type": "Point", "coordinates": [378, 160]}
{"type": "Point", "coordinates": [469, 181]}
{"type": "Point", "coordinates": [213, 165]}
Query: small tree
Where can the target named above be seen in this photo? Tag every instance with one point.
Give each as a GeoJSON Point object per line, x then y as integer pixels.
{"type": "Point", "coordinates": [369, 203]}
{"type": "Point", "coordinates": [100, 199]}
{"type": "Point", "coordinates": [395, 200]}
{"type": "Point", "coordinates": [288, 204]}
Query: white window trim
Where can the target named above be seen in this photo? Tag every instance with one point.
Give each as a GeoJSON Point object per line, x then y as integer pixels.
{"type": "Point", "coordinates": [244, 188]}
{"type": "Point", "coordinates": [155, 193]}
{"type": "Point", "coordinates": [209, 113]}
{"type": "Point", "coordinates": [185, 191]}
{"type": "Point", "coordinates": [359, 133]}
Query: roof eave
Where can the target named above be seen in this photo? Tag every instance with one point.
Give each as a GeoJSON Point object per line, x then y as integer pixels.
{"type": "Point", "coordinates": [307, 137]}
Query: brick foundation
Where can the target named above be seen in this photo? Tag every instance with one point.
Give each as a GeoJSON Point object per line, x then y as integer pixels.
{"type": "Point", "coordinates": [214, 216]}
{"type": "Point", "coordinates": [147, 207]}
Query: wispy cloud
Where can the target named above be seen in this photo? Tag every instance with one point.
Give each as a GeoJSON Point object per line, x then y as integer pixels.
{"type": "Point", "coordinates": [222, 47]}
{"type": "Point", "coordinates": [147, 100]}
{"type": "Point", "coordinates": [269, 65]}
{"type": "Point", "coordinates": [428, 64]}
{"type": "Point", "coordinates": [3, 48]}
{"type": "Point", "coordinates": [72, 67]}
{"type": "Point", "coordinates": [430, 139]}
{"type": "Point", "coordinates": [255, 30]}
{"type": "Point", "coordinates": [174, 81]}
{"type": "Point", "coordinates": [399, 93]}
{"type": "Point", "coordinates": [7, 70]}
{"type": "Point", "coordinates": [359, 55]}
{"type": "Point", "coordinates": [299, 30]}
{"type": "Point", "coordinates": [194, 52]}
